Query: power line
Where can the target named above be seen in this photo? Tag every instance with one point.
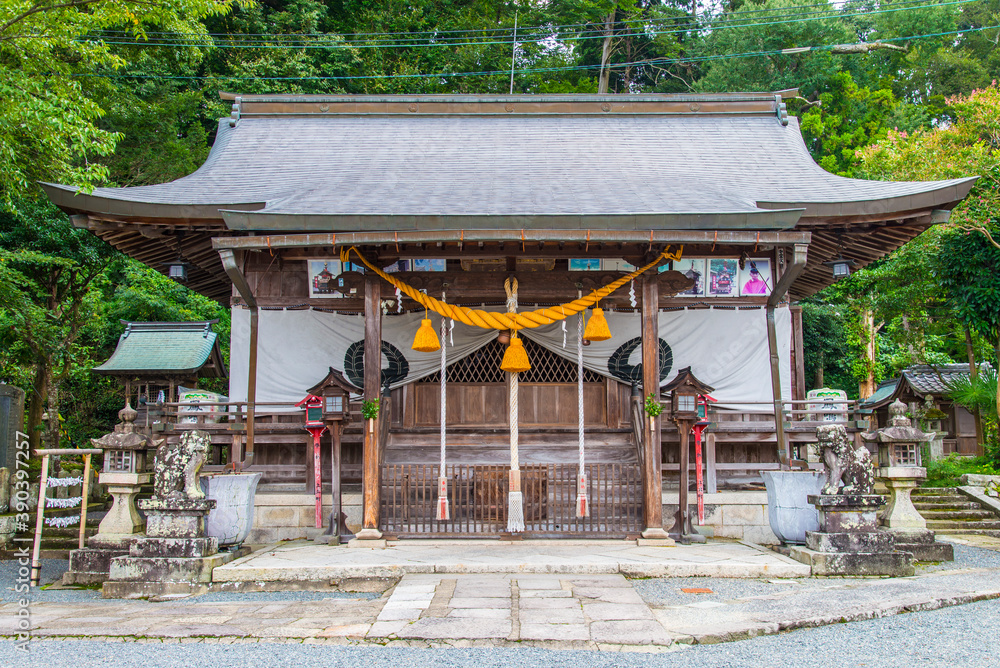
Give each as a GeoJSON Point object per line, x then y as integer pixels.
{"type": "Point", "coordinates": [686, 17]}
{"type": "Point", "coordinates": [539, 70]}
{"type": "Point", "coordinates": [338, 45]}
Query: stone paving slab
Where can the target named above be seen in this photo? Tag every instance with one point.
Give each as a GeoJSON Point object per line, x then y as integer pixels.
{"type": "Point", "coordinates": [841, 600]}
{"type": "Point", "coordinates": [601, 612]}
{"type": "Point", "coordinates": [307, 561]}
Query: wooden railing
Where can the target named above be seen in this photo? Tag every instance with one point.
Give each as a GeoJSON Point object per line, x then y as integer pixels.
{"type": "Point", "coordinates": [478, 499]}
{"type": "Point", "coordinates": [739, 444]}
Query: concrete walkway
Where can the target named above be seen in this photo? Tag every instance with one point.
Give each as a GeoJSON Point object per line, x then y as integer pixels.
{"type": "Point", "coordinates": [564, 606]}
{"type": "Point", "coordinates": [306, 561]}
{"type": "Point", "coordinates": [596, 612]}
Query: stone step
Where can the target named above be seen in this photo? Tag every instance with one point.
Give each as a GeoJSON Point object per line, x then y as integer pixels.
{"type": "Point", "coordinates": [945, 525]}
{"type": "Point", "coordinates": [941, 500]}
{"type": "Point", "coordinates": [968, 514]}
{"type": "Point", "coordinates": [966, 505]}
{"type": "Point", "coordinates": [971, 532]}
{"type": "Point", "coordinates": [936, 490]}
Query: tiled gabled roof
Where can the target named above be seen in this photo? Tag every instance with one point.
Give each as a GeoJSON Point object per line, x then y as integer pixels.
{"type": "Point", "coordinates": [166, 348]}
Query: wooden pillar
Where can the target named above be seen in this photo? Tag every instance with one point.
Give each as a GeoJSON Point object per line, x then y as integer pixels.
{"type": "Point", "coordinates": [251, 387]}
{"type": "Point", "coordinates": [682, 519]}
{"type": "Point", "coordinates": [653, 460]}
{"type": "Point", "coordinates": [711, 474]}
{"type": "Point", "coordinates": [373, 381]}
{"type": "Point", "coordinates": [335, 504]}
{"type": "Point", "coordinates": [798, 355]}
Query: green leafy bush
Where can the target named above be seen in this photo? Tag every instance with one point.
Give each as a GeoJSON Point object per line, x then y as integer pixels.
{"type": "Point", "coordinates": [369, 409]}
{"type": "Point", "coordinates": [947, 471]}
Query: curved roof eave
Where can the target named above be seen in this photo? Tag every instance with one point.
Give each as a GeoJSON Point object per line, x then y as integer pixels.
{"type": "Point", "coordinates": [944, 195]}
{"type": "Point", "coordinates": [73, 199]}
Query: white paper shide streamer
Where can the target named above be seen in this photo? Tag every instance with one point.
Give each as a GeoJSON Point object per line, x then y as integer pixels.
{"type": "Point", "coordinates": [62, 522]}
{"type": "Point", "coordinates": [64, 482]}
{"type": "Point", "coordinates": [71, 502]}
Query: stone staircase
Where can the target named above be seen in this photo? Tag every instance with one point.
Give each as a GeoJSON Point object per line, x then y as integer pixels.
{"type": "Point", "coordinates": [947, 511]}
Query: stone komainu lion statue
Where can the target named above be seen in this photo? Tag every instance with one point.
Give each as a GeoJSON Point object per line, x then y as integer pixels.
{"type": "Point", "coordinates": [176, 467]}
{"type": "Point", "coordinates": [849, 470]}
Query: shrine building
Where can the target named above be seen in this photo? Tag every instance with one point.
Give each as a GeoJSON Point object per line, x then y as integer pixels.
{"type": "Point", "coordinates": [610, 240]}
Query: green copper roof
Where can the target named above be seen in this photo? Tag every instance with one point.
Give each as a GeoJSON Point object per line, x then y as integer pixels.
{"type": "Point", "coordinates": [882, 394]}
{"type": "Point", "coordinates": [170, 348]}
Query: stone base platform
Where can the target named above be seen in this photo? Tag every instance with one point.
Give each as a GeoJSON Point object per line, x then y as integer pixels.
{"type": "Point", "coordinates": [92, 564]}
{"type": "Point", "coordinates": [304, 561]}
{"type": "Point", "coordinates": [145, 577]}
{"type": "Point", "coordinates": [892, 564]}
{"type": "Point", "coordinates": [849, 542]}
{"type": "Point", "coordinates": [922, 545]}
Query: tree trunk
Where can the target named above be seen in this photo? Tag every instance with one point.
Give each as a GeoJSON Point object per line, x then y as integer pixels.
{"type": "Point", "coordinates": [866, 388]}
{"type": "Point", "coordinates": [819, 383]}
{"type": "Point", "coordinates": [51, 439]}
{"type": "Point", "coordinates": [602, 85]}
{"type": "Point", "coordinates": [973, 374]}
{"type": "Point", "coordinates": [36, 407]}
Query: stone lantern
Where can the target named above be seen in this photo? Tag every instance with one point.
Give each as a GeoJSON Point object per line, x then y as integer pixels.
{"type": "Point", "coordinates": [901, 469]}
{"type": "Point", "coordinates": [125, 472]}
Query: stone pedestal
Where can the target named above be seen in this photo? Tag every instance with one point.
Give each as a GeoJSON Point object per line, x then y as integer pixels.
{"type": "Point", "coordinates": [900, 513]}
{"type": "Point", "coordinates": [849, 542]}
{"type": "Point", "coordinates": [371, 538]}
{"type": "Point", "coordinates": [123, 518]}
{"type": "Point", "coordinates": [174, 556]}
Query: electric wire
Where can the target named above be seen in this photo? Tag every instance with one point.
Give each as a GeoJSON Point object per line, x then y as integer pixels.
{"type": "Point", "coordinates": [546, 27]}
{"type": "Point", "coordinates": [536, 70]}
{"type": "Point", "coordinates": [338, 44]}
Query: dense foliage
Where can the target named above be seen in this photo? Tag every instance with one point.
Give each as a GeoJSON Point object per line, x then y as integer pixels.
{"type": "Point", "coordinates": [126, 93]}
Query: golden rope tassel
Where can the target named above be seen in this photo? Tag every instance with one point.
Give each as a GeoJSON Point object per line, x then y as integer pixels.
{"type": "Point", "coordinates": [515, 358]}
{"type": "Point", "coordinates": [597, 327]}
{"type": "Point", "coordinates": [426, 340]}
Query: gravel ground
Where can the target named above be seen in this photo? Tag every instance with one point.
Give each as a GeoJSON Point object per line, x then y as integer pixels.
{"type": "Point", "coordinates": [52, 570]}
{"type": "Point", "coordinates": [926, 639]}
{"type": "Point", "coordinates": [667, 591]}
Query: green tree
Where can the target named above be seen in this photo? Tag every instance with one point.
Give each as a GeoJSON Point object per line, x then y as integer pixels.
{"type": "Point", "coordinates": [47, 270]}
{"type": "Point", "coordinates": [48, 126]}
{"type": "Point", "coordinates": [968, 257]}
